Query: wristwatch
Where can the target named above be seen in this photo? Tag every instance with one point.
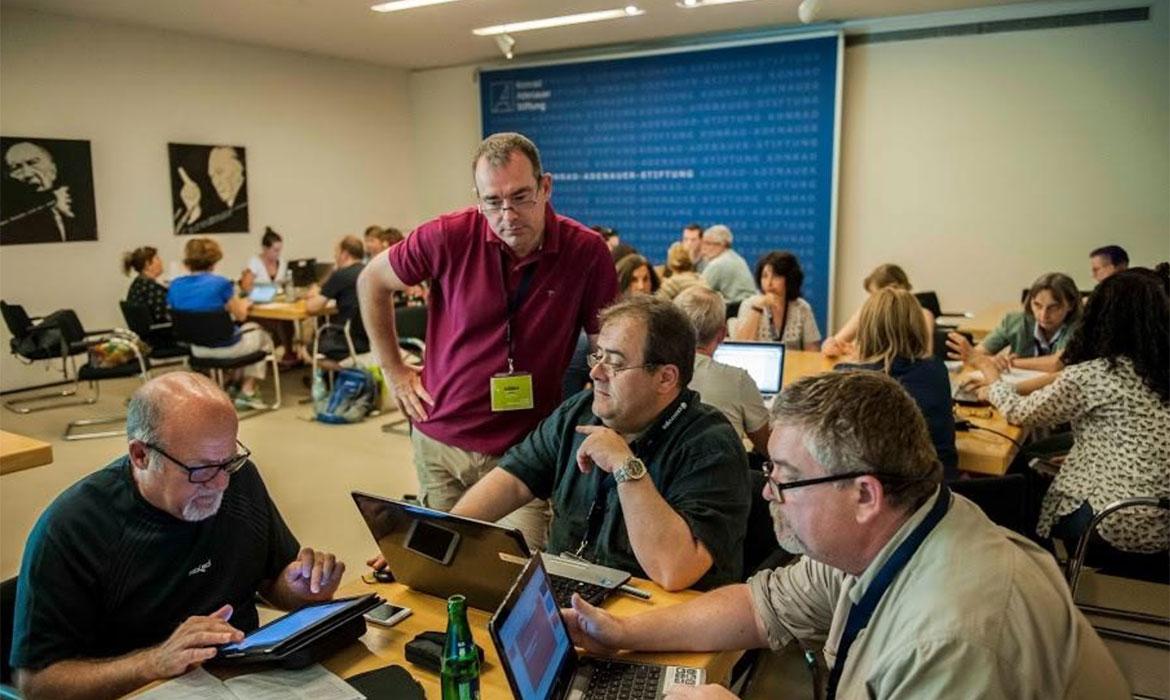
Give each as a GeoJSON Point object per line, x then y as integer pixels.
{"type": "Point", "coordinates": [632, 470]}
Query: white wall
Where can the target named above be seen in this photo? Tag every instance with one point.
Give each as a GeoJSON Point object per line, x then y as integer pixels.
{"type": "Point", "coordinates": [976, 162]}
{"type": "Point", "coordinates": [329, 149]}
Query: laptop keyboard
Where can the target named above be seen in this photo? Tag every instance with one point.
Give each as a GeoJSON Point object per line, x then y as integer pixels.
{"type": "Point", "coordinates": [564, 588]}
{"type": "Point", "coordinates": [624, 680]}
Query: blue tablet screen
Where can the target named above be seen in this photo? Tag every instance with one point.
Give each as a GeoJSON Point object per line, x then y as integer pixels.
{"type": "Point", "coordinates": [285, 627]}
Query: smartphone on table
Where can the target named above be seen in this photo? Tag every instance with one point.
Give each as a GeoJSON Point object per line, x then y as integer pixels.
{"type": "Point", "coordinates": [387, 614]}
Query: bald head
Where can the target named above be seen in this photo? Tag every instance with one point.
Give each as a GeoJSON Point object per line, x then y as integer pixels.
{"type": "Point", "coordinates": [29, 163]}
{"type": "Point", "coordinates": [188, 395]}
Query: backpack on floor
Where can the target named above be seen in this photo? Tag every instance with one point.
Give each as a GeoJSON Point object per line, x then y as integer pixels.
{"type": "Point", "coordinates": [354, 396]}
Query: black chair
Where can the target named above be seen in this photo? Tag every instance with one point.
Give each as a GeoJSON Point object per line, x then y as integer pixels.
{"type": "Point", "coordinates": [733, 309]}
{"type": "Point", "coordinates": [7, 610]}
{"type": "Point", "coordinates": [940, 340]}
{"type": "Point", "coordinates": [216, 328]}
{"type": "Point", "coordinates": [1003, 499]}
{"type": "Point", "coordinates": [411, 324]}
{"type": "Point", "coordinates": [140, 367]}
{"type": "Point", "coordinates": [164, 349]}
{"type": "Point", "coordinates": [1111, 561]}
{"type": "Point", "coordinates": [929, 301]}
{"type": "Point", "coordinates": [56, 337]}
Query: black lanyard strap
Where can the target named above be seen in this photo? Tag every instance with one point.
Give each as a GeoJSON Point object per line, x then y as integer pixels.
{"type": "Point", "coordinates": [512, 303]}
{"type": "Point", "coordinates": [860, 614]}
{"type": "Point", "coordinates": [642, 448]}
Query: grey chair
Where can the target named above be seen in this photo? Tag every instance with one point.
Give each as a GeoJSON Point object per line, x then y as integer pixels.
{"type": "Point", "coordinates": [411, 324]}
{"type": "Point", "coordinates": [57, 337]}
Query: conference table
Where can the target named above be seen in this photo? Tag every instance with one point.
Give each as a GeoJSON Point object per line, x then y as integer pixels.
{"type": "Point", "coordinates": [980, 451]}
{"type": "Point", "coordinates": [382, 646]}
{"type": "Point", "coordinates": [288, 311]}
{"type": "Point", "coordinates": [19, 452]}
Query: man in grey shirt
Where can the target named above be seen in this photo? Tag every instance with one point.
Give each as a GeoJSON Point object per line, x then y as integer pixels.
{"type": "Point", "coordinates": [906, 589]}
{"type": "Point", "coordinates": [726, 271]}
{"type": "Point", "coordinates": [730, 389]}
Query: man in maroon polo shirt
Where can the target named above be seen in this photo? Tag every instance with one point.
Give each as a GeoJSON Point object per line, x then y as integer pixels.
{"type": "Point", "coordinates": [512, 285]}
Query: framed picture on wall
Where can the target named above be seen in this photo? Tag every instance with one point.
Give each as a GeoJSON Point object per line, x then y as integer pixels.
{"type": "Point", "coordinates": [47, 193]}
{"type": "Point", "coordinates": [209, 188]}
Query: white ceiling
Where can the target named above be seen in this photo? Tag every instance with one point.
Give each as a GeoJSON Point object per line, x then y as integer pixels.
{"type": "Point", "coordinates": [441, 35]}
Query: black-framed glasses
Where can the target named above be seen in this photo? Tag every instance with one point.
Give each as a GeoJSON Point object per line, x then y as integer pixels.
{"type": "Point", "coordinates": [595, 359]}
{"type": "Point", "coordinates": [778, 488]}
{"type": "Point", "coordinates": [495, 205]}
{"type": "Point", "coordinates": [207, 472]}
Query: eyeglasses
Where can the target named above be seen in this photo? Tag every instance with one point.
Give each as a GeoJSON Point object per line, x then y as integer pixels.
{"type": "Point", "coordinates": [495, 205]}
{"type": "Point", "coordinates": [779, 488]}
{"type": "Point", "coordinates": [597, 359]}
{"type": "Point", "coordinates": [207, 472]}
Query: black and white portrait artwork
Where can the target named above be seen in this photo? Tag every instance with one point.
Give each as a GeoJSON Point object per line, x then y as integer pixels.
{"type": "Point", "coordinates": [47, 191]}
{"type": "Point", "coordinates": [209, 189]}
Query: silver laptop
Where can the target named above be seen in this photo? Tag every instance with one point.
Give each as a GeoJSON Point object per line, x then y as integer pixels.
{"type": "Point", "coordinates": [537, 654]}
{"type": "Point", "coordinates": [441, 554]}
{"type": "Point", "coordinates": [263, 293]}
{"type": "Point", "coordinates": [763, 361]}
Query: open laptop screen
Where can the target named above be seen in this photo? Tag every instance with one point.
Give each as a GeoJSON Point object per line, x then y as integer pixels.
{"type": "Point", "coordinates": [763, 361]}
{"type": "Point", "coordinates": [532, 637]}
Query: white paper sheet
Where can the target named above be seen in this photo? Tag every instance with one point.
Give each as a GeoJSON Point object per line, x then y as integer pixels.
{"type": "Point", "coordinates": [193, 685]}
{"type": "Point", "coordinates": [309, 683]}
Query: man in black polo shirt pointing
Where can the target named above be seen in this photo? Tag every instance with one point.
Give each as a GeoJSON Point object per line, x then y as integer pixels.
{"type": "Point", "coordinates": [138, 571]}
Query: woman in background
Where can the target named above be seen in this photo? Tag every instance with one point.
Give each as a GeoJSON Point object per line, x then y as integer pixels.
{"type": "Point", "coordinates": [779, 313]}
{"type": "Point", "coordinates": [146, 290]}
{"type": "Point", "coordinates": [1033, 338]}
{"type": "Point", "coordinates": [679, 273]}
{"type": "Point", "coordinates": [268, 267]}
{"type": "Point", "coordinates": [885, 275]}
{"type": "Point", "coordinates": [203, 290]}
{"type": "Point", "coordinates": [636, 275]}
{"type": "Point", "coordinates": [1115, 390]}
{"type": "Point", "coordinates": [893, 337]}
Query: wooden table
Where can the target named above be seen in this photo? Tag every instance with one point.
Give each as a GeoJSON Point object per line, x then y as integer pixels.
{"type": "Point", "coordinates": [287, 311]}
{"type": "Point", "coordinates": [18, 452]}
{"type": "Point", "coordinates": [980, 452]}
{"type": "Point", "coordinates": [382, 646]}
{"type": "Point", "coordinates": [986, 319]}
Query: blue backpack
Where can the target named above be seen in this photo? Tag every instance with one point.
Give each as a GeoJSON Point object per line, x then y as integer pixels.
{"type": "Point", "coordinates": [354, 396]}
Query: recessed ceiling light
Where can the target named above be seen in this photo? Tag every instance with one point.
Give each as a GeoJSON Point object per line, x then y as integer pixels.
{"type": "Point", "coordinates": [692, 4]}
{"type": "Point", "coordinates": [405, 5]}
{"type": "Point", "coordinates": [547, 22]}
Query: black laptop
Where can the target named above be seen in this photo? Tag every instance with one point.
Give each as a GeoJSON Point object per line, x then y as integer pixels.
{"type": "Point", "coordinates": [537, 654]}
{"type": "Point", "coordinates": [441, 554]}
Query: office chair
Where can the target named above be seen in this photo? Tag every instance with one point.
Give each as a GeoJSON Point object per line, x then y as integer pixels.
{"type": "Point", "coordinates": [1001, 498]}
{"type": "Point", "coordinates": [213, 329]}
{"type": "Point", "coordinates": [58, 336]}
{"type": "Point", "coordinates": [411, 324]}
{"type": "Point", "coordinates": [1115, 562]}
{"type": "Point", "coordinates": [95, 376]}
{"type": "Point", "coordinates": [929, 301]}
{"type": "Point", "coordinates": [164, 349]}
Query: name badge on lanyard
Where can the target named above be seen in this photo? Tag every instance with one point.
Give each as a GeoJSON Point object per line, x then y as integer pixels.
{"type": "Point", "coordinates": [512, 390]}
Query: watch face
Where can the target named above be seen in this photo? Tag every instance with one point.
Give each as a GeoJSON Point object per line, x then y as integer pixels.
{"type": "Point", "coordinates": [634, 469]}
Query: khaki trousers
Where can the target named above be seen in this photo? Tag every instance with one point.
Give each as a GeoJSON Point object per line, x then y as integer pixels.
{"type": "Point", "coordinates": [445, 473]}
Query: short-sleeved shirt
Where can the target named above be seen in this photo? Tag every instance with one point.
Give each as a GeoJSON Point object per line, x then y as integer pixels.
{"type": "Point", "coordinates": [730, 275]}
{"type": "Point", "coordinates": [201, 291]}
{"type": "Point", "coordinates": [929, 384]}
{"type": "Point", "coordinates": [106, 573]}
{"type": "Point", "coordinates": [258, 268]}
{"type": "Point", "coordinates": [1017, 330]}
{"type": "Point", "coordinates": [733, 391]}
{"type": "Point", "coordinates": [342, 287]}
{"type": "Point", "coordinates": [574, 278]}
{"type": "Point", "coordinates": [977, 612]}
{"type": "Point", "coordinates": [800, 325]}
{"type": "Point", "coordinates": [149, 293]}
{"type": "Point", "coordinates": [696, 462]}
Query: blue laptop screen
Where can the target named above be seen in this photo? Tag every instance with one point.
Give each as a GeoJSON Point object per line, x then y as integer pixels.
{"type": "Point", "coordinates": [763, 361]}
{"type": "Point", "coordinates": [534, 639]}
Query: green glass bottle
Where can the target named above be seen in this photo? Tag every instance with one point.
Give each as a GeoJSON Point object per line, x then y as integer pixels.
{"type": "Point", "coordinates": [460, 675]}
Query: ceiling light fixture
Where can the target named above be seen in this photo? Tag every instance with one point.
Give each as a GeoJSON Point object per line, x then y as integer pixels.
{"type": "Point", "coordinates": [405, 5]}
{"type": "Point", "coordinates": [692, 4]}
{"type": "Point", "coordinates": [547, 22]}
{"type": "Point", "coordinates": [505, 42]}
{"type": "Point", "coordinates": [807, 11]}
